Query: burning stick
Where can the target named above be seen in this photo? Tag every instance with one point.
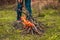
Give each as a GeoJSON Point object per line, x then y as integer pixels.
{"type": "Point", "coordinates": [29, 26]}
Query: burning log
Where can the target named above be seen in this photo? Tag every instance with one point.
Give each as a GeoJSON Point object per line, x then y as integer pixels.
{"type": "Point", "coordinates": [31, 26]}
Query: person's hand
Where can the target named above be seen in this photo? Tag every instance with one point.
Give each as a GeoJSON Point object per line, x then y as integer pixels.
{"type": "Point", "coordinates": [20, 1]}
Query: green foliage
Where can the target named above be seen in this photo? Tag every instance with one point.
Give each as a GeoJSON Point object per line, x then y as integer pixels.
{"type": "Point", "coordinates": [51, 18]}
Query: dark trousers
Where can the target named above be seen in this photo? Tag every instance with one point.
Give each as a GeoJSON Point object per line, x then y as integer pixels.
{"type": "Point", "coordinates": [19, 9]}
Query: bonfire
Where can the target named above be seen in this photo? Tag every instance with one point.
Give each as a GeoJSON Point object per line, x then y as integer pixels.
{"type": "Point", "coordinates": [31, 27]}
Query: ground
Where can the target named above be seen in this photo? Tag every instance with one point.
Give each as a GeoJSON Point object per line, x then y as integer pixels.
{"type": "Point", "coordinates": [50, 17]}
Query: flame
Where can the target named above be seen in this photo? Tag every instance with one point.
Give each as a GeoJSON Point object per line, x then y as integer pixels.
{"type": "Point", "coordinates": [26, 22]}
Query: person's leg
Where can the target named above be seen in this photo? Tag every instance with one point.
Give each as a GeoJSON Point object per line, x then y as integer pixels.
{"type": "Point", "coordinates": [19, 11]}
{"type": "Point", "coordinates": [28, 7]}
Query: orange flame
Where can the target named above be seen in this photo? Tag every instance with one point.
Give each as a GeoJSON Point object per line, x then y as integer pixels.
{"type": "Point", "coordinates": [26, 23]}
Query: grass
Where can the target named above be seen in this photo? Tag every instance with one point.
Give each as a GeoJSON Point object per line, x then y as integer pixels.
{"type": "Point", "coordinates": [51, 18]}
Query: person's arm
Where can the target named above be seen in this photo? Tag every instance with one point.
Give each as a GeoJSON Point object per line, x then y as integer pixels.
{"type": "Point", "coordinates": [20, 1]}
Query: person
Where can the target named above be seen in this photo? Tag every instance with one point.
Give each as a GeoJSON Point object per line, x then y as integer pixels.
{"type": "Point", "coordinates": [20, 6]}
